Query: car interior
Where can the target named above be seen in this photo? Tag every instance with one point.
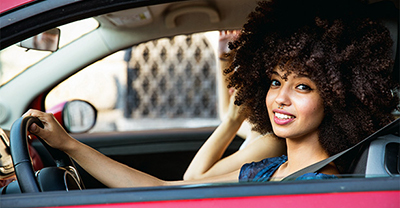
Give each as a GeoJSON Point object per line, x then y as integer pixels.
{"type": "Point", "coordinates": [378, 156]}
{"type": "Point", "coordinates": [164, 153]}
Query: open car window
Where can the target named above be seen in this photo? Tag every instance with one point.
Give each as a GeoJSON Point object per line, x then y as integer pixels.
{"type": "Point", "coordinates": [163, 83]}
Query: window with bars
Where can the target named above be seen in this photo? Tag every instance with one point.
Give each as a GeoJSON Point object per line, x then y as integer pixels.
{"type": "Point", "coordinates": [171, 78]}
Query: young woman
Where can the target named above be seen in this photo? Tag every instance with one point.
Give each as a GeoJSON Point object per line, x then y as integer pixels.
{"type": "Point", "coordinates": [340, 47]}
{"type": "Point", "coordinates": [316, 73]}
{"type": "Point", "coordinates": [208, 161]}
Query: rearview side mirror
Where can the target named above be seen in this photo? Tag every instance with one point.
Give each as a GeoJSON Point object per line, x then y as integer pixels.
{"type": "Point", "coordinates": [45, 41]}
{"type": "Point", "coordinates": [76, 116]}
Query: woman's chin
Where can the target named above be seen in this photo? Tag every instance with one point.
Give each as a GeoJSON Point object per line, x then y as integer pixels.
{"type": "Point", "coordinates": [279, 133]}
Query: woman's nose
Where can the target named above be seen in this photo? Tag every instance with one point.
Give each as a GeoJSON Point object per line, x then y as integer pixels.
{"type": "Point", "coordinates": [283, 97]}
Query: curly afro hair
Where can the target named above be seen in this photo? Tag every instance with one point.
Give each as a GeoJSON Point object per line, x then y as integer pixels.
{"type": "Point", "coordinates": [339, 45]}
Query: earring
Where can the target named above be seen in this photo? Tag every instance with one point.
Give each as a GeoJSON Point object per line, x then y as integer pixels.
{"type": "Point", "coordinates": [280, 106]}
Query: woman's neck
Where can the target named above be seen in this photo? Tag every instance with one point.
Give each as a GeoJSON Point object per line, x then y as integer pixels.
{"type": "Point", "coordinates": [301, 153]}
{"type": "Point", "coordinates": [305, 153]}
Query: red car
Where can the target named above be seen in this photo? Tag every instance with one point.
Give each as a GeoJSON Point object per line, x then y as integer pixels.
{"type": "Point", "coordinates": [147, 68]}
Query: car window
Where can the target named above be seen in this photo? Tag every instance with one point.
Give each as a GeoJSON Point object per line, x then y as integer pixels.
{"type": "Point", "coordinates": [164, 83]}
{"type": "Point", "coordinates": [15, 59]}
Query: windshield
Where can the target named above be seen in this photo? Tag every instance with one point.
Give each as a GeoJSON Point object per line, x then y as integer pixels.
{"type": "Point", "coordinates": [15, 59]}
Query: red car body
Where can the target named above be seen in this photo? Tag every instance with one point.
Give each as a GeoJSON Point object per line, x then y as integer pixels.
{"type": "Point", "coordinates": [388, 199]}
{"type": "Point", "coordinates": [9, 4]}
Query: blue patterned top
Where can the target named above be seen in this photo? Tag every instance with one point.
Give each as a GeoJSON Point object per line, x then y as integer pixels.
{"type": "Point", "coordinates": [263, 170]}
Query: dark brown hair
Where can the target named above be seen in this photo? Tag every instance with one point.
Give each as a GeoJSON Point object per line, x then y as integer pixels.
{"type": "Point", "coordinates": [338, 44]}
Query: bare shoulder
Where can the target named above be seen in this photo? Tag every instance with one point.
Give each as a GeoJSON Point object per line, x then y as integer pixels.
{"type": "Point", "coordinates": [263, 147]}
{"type": "Point", "coordinates": [271, 139]}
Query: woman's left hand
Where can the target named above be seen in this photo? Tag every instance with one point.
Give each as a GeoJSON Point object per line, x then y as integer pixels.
{"type": "Point", "coordinates": [53, 133]}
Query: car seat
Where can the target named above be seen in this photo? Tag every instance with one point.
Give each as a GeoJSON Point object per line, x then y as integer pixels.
{"type": "Point", "coordinates": [381, 157]}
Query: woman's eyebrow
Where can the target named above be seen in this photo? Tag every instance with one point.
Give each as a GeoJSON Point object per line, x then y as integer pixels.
{"type": "Point", "coordinates": [277, 74]}
{"type": "Point", "coordinates": [301, 76]}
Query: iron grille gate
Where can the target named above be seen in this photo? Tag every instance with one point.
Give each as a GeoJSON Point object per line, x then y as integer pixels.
{"type": "Point", "coordinates": [171, 78]}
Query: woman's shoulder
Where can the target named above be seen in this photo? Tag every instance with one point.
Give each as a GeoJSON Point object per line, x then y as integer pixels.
{"type": "Point", "coordinates": [266, 162]}
{"type": "Point", "coordinates": [313, 176]}
{"type": "Point", "coordinates": [261, 169]}
{"type": "Point", "coordinates": [328, 172]}
{"type": "Point", "coordinates": [259, 139]}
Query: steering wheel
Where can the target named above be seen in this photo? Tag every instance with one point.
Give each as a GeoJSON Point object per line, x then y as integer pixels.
{"type": "Point", "coordinates": [62, 177]}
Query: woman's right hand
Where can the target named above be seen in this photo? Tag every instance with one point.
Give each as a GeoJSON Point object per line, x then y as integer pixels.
{"type": "Point", "coordinates": [223, 48]}
{"type": "Point", "coordinates": [53, 133]}
{"type": "Point", "coordinates": [234, 113]}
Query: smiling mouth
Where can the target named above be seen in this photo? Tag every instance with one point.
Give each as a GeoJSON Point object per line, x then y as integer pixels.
{"type": "Point", "coordinates": [283, 116]}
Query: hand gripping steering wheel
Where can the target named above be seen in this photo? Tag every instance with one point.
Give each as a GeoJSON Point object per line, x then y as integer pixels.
{"type": "Point", "coordinates": [62, 177]}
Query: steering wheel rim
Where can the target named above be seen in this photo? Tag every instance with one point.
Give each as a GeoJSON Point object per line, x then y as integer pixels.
{"type": "Point", "coordinates": [22, 160]}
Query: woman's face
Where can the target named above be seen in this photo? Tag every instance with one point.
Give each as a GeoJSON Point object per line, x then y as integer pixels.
{"type": "Point", "coordinates": [303, 109]}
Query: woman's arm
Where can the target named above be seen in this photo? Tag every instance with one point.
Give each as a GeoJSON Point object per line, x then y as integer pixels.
{"type": "Point", "coordinates": [110, 172]}
{"type": "Point", "coordinates": [264, 147]}
{"type": "Point", "coordinates": [225, 58]}
{"type": "Point", "coordinates": [208, 163]}
{"type": "Point", "coordinates": [212, 150]}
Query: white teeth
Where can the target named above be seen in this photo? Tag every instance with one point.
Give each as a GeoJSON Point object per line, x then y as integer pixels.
{"type": "Point", "coordinates": [283, 116]}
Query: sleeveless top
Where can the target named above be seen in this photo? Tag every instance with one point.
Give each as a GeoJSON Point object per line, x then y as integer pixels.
{"type": "Point", "coordinates": [263, 170]}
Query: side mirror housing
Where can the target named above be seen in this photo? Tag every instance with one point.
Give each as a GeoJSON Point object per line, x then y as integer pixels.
{"type": "Point", "coordinates": [76, 116]}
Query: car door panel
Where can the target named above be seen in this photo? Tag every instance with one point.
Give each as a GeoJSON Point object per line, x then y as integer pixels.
{"type": "Point", "coordinates": [163, 153]}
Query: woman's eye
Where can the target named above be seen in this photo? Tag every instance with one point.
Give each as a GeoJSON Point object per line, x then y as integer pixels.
{"type": "Point", "coordinates": [303, 87]}
{"type": "Point", "coordinates": [275, 83]}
